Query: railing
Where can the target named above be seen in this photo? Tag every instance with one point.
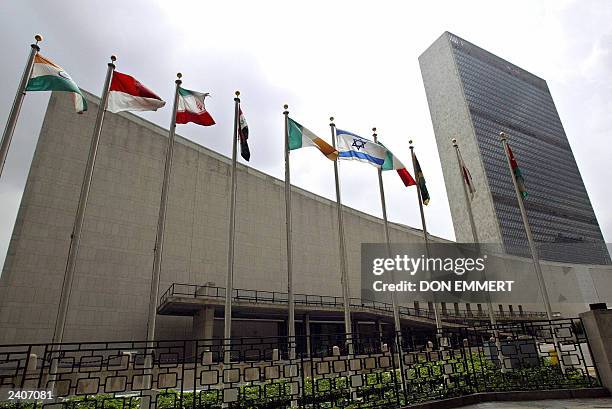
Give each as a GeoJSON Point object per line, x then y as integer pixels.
{"type": "Point", "coordinates": [275, 297]}
{"type": "Point", "coordinates": [326, 371]}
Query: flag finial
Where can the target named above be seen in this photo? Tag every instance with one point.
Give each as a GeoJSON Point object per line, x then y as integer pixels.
{"type": "Point", "coordinates": [178, 78]}
{"type": "Point", "coordinates": [286, 107]}
{"type": "Point", "coordinates": [237, 94]}
{"type": "Point", "coordinates": [179, 75]}
{"type": "Point", "coordinates": [410, 142]}
{"type": "Point", "coordinates": [113, 58]}
{"type": "Point", "coordinates": [38, 38]}
{"type": "Point", "coordinates": [503, 136]}
{"type": "Point", "coordinates": [454, 141]}
{"type": "Point", "coordinates": [331, 121]}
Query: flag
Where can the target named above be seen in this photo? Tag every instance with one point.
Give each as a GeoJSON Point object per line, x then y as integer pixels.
{"type": "Point", "coordinates": [393, 163]}
{"type": "Point", "coordinates": [351, 146]}
{"type": "Point", "coordinates": [354, 147]}
{"type": "Point", "coordinates": [300, 137]}
{"type": "Point", "coordinates": [421, 181]}
{"type": "Point", "coordinates": [48, 76]}
{"type": "Point", "coordinates": [520, 182]}
{"type": "Point", "coordinates": [191, 108]}
{"type": "Point", "coordinates": [467, 176]}
{"type": "Point", "coordinates": [127, 94]}
{"type": "Point", "coordinates": [243, 133]}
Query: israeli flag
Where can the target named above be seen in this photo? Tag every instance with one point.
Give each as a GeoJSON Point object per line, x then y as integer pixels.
{"type": "Point", "coordinates": [355, 147]}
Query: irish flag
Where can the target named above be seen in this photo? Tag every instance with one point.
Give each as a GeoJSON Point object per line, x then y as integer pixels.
{"type": "Point", "coordinates": [191, 108]}
{"type": "Point", "coordinates": [301, 137]}
{"type": "Point", "coordinates": [48, 76]}
{"type": "Point", "coordinates": [128, 94]}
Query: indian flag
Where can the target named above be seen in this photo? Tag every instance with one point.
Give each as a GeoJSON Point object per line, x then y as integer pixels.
{"type": "Point", "coordinates": [301, 137]}
{"type": "Point", "coordinates": [191, 108]}
{"type": "Point", "coordinates": [48, 76]}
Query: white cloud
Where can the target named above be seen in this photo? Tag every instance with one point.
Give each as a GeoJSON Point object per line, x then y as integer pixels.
{"type": "Point", "coordinates": [355, 60]}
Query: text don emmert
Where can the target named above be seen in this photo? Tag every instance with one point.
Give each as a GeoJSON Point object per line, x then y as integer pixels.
{"type": "Point", "coordinates": [435, 286]}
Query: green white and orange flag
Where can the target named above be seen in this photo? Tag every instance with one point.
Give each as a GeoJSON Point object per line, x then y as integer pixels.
{"type": "Point", "coordinates": [48, 76]}
{"type": "Point", "coordinates": [301, 137]}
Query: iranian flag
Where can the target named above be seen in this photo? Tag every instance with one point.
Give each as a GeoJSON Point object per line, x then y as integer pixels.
{"type": "Point", "coordinates": [48, 76]}
{"type": "Point", "coordinates": [191, 108]}
{"type": "Point", "coordinates": [128, 94]}
{"type": "Point", "coordinates": [301, 137]}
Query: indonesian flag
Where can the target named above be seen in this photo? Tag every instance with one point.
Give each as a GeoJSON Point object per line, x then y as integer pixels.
{"type": "Point", "coordinates": [191, 108]}
{"type": "Point", "coordinates": [128, 94]}
{"type": "Point", "coordinates": [243, 134]}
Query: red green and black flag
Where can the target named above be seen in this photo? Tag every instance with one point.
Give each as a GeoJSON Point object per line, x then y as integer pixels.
{"type": "Point", "coordinates": [518, 176]}
{"type": "Point", "coordinates": [421, 181]}
{"type": "Point", "coordinates": [243, 133]}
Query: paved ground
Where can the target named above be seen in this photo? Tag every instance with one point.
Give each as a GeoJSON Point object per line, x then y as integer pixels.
{"type": "Point", "coordinates": [600, 403]}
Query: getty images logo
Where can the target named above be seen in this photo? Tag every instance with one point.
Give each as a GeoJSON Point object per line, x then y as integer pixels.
{"type": "Point", "coordinates": [411, 265]}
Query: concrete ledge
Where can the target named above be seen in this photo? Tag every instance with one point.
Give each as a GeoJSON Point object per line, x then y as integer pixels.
{"type": "Point", "coordinates": [512, 396]}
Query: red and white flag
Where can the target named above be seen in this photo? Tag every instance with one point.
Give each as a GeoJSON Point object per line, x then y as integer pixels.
{"type": "Point", "coordinates": [128, 94]}
{"type": "Point", "coordinates": [467, 177]}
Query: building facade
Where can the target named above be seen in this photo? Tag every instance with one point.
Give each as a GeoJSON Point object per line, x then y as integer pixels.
{"type": "Point", "coordinates": [473, 95]}
{"type": "Point", "coordinates": [111, 287]}
{"type": "Point", "coordinates": [110, 292]}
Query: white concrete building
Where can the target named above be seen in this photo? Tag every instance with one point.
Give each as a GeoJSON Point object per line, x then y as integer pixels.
{"type": "Point", "coordinates": [110, 292]}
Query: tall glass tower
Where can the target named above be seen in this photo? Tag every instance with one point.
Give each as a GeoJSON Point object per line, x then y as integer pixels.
{"type": "Point", "coordinates": [473, 95]}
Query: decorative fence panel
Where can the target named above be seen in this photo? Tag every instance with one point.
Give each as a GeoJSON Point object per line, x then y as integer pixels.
{"type": "Point", "coordinates": [415, 366]}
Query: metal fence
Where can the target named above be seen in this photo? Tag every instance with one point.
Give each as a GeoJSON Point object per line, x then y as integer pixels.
{"type": "Point", "coordinates": [416, 366]}
{"type": "Point", "coordinates": [312, 300]}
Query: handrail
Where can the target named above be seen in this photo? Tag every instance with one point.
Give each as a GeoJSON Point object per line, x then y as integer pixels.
{"type": "Point", "coordinates": [276, 297]}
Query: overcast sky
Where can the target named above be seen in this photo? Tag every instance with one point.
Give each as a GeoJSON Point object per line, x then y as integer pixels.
{"type": "Point", "coordinates": [355, 60]}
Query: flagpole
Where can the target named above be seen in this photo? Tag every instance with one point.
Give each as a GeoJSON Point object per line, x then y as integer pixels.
{"type": "Point", "coordinates": [348, 329]}
{"type": "Point", "coordinates": [11, 122]}
{"type": "Point", "coordinates": [396, 316]}
{"type": "Point", "coordinates": [75, 237]}
{"type": "Point", "coordinates": [394, 304]}
{"type": "Point", "coordinates": [468, 206]}
{"type": "Point", "coordinates": [229, 282]}
{"type": "Point", "coordinates": [532, 247]}
{"type": "Point", "coordinates": [426, 239]}
{"type": "Point", "coordinates": [161, 221]}
{"type": "Point", "coordinates": [291, 322]}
